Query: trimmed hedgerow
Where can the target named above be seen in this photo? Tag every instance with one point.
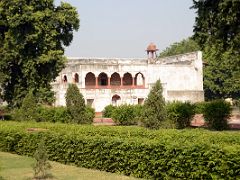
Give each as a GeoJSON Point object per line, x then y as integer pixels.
{"type": "Point", "coordinates": [168, 154]}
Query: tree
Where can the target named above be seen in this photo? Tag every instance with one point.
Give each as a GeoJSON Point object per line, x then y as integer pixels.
{"type": "Point", "coordinates": [76, 104]}
{"type": "Point", "coordinates": [184, 46]}
{"type": "Point", "coordinates": [33, 35]}
{"type": "Point", "coordinates": [154, 107]}
{"type": "Point", "coordinates": [217, 32]}
{"type": "Point", "coordinates": [42, 166]}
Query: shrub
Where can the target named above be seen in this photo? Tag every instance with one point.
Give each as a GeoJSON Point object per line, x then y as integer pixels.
{"type": "Point", "coordinates": [124, 115]}
{"type": "Point", "coordinates": [216, 114]}
{"type": "Point", "coordinates": [5, 113]}
{"type": "Point", "coordinates": [180, 113]}
{"type": "Point", "coordinates": [28, 109]}
{"type": "Point", "coordinates": [108, 111]}
{"type": "Point", "coordinates": [89, 114]}
{"type": "Point", "coordinates": [54, 114]}
{"type": "Point", "coordinates": [154, 108]}
{"type": "Point", "coordinates": [138, 110]}
{"type": "Point", "coordinates": [75, 104]}
{"type": "Point", "coordinates": [199, 107]}
{"type": "Point", "coordinates": [42, 166]}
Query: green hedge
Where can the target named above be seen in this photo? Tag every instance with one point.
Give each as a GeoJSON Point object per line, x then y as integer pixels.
{"type": "Point", "coordinates": [216, 114]}
{"type": "Point", "coordinates": [191, 154]}
{"type": "Point", "coordinates": [127, 114]}
{"type": "Point", "coordinates": [52, 114]}
{"type": "Point", "coordinates": [180, 113]}
{"type": "Point", "coordinates": [108, 111]}
{"type": "Point", "coordinates": [124, 115]}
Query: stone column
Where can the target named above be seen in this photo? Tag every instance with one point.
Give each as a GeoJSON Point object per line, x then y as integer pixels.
{"type": "Point", "coordinates": [133, 82]}
{"type": "Point", "coordinates": [121, 85]}
{"type": "Point", "coordinates": [109, 81]}
{"type": "Point", "coordinates": [96, 85]}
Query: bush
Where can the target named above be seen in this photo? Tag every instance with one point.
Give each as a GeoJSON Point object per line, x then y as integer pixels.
{"type": "Point", "coordinates": [216, 114]}
{"type": "Point", "coordinates": [42, 166]}
{"type": "Point", "coordinates": [164, 154]}
{"type": "Point", "coordinates": [89, 114]}
{"type": "Point", "coordinates": [76, 104]}
{"type": "Point", "coordinates": [180, 113]}
{"type": "Point", "coordinates": [108, 111]}
{"type": "Point", "coordinates": [5, 113]}
{"type": "Point", "coordinates": [124, 115]}
{"type": "Point", "coordinates": [199, 107]}
{"type": "Point", "coordinates": [28, 109]}
{"type": "Point", "coordinates": [54, 114]}
{"type": "Point", "coordinates": [154, 108]}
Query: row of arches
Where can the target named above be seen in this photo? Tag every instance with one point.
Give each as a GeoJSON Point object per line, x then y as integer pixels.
{"type": "Point", "coordinates": [114, 80]}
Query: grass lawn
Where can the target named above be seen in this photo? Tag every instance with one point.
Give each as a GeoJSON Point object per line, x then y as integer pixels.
{"type": "Point", "coordinates": [15, 167]}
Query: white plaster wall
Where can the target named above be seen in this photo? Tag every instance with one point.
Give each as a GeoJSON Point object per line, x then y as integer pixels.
{"type": "Point", "coordinates": [181, 78]}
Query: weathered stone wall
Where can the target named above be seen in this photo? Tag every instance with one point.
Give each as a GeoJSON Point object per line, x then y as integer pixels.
{"type": "Point", "coordinates": [181, 78]}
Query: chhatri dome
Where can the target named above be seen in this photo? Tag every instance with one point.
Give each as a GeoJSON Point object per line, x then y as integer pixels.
{"type": "Point", "coordinates": [152, 49]}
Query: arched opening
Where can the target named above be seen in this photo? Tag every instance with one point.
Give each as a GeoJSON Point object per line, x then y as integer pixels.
{"type": "Point", "coordinates": [127, 79]}
{"type": "Point", "coordinates": [115, 100]}
{"type": "Point", "coordinates": [115, 79]}
{"type": "Point", "coordinates": [76, 78]}
{"type": "Point", "coordinates": [65, 79]}
{"type": "Point", "coordinates": [139, 79]}
{"type": "Point", "coordinates": [90, 79]}
{"type": "Point", "coordinates": [102, 79]}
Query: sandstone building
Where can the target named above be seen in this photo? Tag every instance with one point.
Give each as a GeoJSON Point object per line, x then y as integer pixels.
{"type": "Point", "coordinates": [104, 81]}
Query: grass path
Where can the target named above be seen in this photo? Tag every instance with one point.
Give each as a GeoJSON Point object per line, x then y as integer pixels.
{"type": "Point", "coordinates": [15, 167]}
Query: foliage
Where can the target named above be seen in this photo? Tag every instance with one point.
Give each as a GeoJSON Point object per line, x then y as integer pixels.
{"type": "Point", "coordinates": [0, 172]}
{"type": "Point", "coordinates": [216, 114]}
{"type": "Point", "coordinates": [217, 33]}
{"type": "Point", "coordinates": [53, 114]}
{"type": "Point", "coordinates": [33, 35]}
{"type": "Point", "coordinates": [154, 108]}
{"type": "Point", "coordinates": [28, 110]}
{"type": "Point", "coordinates": [89, 114]}
{"type": "Point", "coordinates": [126, 114]}
{"type": "Point", "coordinates": [45, 96]}
{"type": "Point", "coordinates": [185, 46]}
{"type": "Point", "coordinates": [75, 104]}
{"type": "Point", "coordinates": [180, 113]}
{"type": "Point", "coordinates": [42, 165]}
{"type": "Point", "coordinates": [108, 110]}
{"type": "Point", "coordinates": [199, 107]}
{"type": "Point", "coordinates": [5, 113]}
{"type": "Point", "coordinates": [190, 154]}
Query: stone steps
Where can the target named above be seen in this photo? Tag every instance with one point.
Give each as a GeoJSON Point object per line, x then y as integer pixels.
{"type": "Point", "coordinates": [103, 121]}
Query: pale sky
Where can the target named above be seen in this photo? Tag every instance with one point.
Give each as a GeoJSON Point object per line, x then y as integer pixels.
{"type": "Point", "coordinates": [124, 28]}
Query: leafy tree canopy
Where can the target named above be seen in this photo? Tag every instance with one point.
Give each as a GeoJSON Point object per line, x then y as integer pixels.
{"type": "Point", "coordinates": [217, 32]}
{"type": "Point", "coordinates": [33, 35]}
{"type": "Point", "coordinates": [184, 46]}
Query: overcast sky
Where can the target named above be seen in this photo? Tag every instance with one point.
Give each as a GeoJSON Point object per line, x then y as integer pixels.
{"type": "Point", "coordinates": [124, 28]}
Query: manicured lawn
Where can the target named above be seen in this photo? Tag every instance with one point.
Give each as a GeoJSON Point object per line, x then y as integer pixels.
{"type": "Point", "coordinates": [15, 167]}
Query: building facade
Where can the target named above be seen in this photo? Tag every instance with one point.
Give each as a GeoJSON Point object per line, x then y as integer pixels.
{"type": "Point", "coordinates": [104, 81]}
